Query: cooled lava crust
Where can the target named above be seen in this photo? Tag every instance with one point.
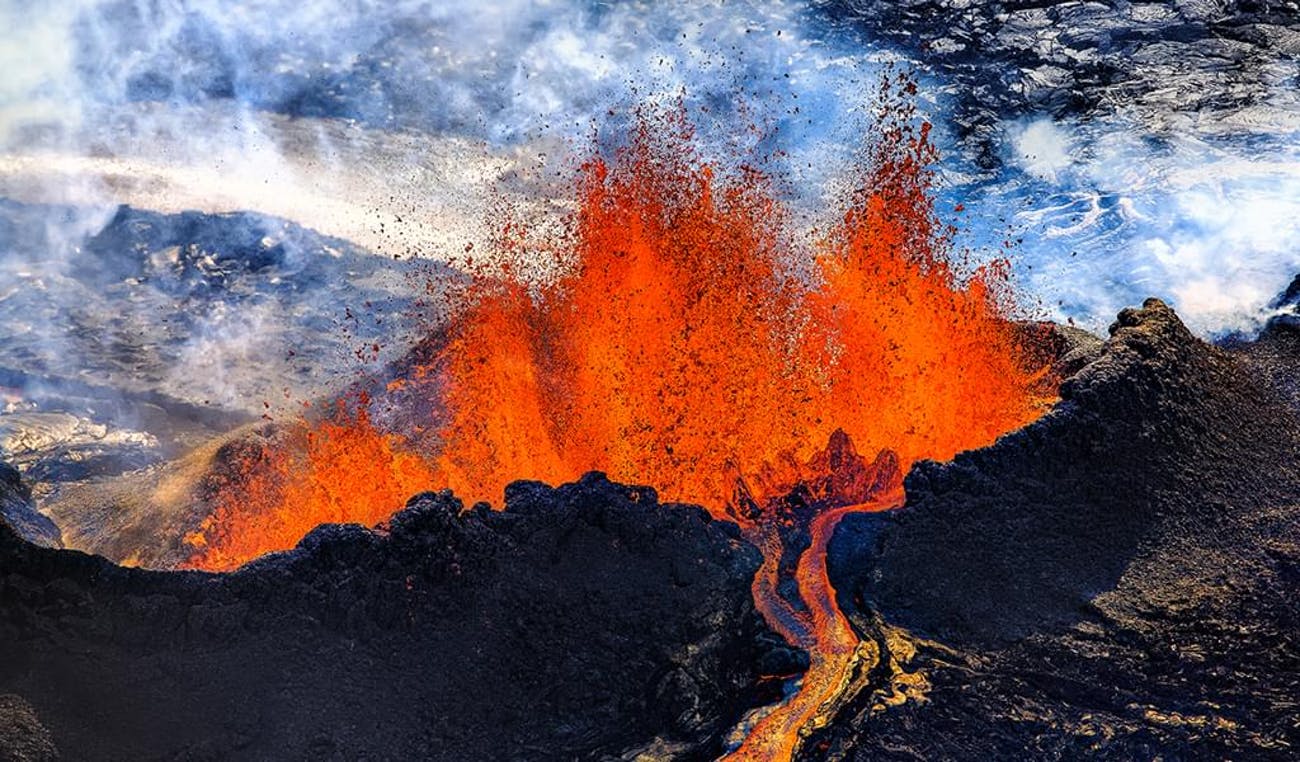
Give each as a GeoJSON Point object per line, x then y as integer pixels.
{"type": "Point", "coordinates": [1016, 58]}
{"type": "Point", "coordinates": [581, 622]}
{"type": "Point", "coordinates": [1118, 580]}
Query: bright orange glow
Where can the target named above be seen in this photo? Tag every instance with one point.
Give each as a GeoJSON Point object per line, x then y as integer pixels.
{"type": "Point", "coordinates": [840, 482]}
{"type": "Point", "coordinates": [664, 356]}
{"type": "Point", "coordinates": [680, 344]}
{"type": "Point", "coordinates": [676, 350]}
{"type": "Point", "coordinates": [342, 470]}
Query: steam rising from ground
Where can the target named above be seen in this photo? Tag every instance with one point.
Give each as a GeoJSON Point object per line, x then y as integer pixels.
{"type": "Point", "coordinates": [390, 125]}
{"type": "Point", "coordinates": [1113, 212]}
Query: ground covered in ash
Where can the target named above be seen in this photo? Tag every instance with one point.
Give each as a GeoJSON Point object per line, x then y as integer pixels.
{"type": "Point", "coordinates": [587, 621]}
{"type": "Point", "coordinates": [1119, 579]}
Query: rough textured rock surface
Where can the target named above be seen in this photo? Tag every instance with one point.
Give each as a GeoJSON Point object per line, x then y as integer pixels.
{"type": "Point", "coordinates": [1164, 60]}
{"type": "Point", "coordinates": [22, 736]}
{"type": "Point", "coordinates": [19, 511]}
{"type": "Point", "coordinates": [135, 339]}
{"type": "Point", "coordinates": [201, 288]}
{"type": "Point", "coordinates": [1118, 579]}
{"type": "Point", "coordinates": [141, 518]}
{"type": "Point", "coordinates": [1065, 348]}
{"type": "Point", "coordinates": [580, 622]}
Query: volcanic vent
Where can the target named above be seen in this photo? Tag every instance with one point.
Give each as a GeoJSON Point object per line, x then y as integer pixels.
{"type": "Point", "coordinates": [687, 332]}
{"type": "Point", "coordinates": [689, 335]}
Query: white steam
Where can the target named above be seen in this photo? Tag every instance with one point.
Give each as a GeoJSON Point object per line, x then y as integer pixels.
{"type": "Point", "coordinates": [1112, 211]}
{"type": "Point", "coordinates": [360, 117]}
{"type": "Point", "coordinates": [392, 123]}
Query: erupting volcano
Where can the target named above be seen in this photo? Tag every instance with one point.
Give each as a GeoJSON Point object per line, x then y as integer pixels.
{"type": "Point", "coordinates": [635, 381]}
{"type": "Point", "coordinates": [687, 335]}
{"type": "Point", "coordinates": [679, 342]}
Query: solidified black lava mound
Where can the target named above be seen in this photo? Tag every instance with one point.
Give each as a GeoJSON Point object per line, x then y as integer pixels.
{"type": "Point", "coordinates": [1119, 579]}
{"type": "Point", "coordinates": [581, 622]}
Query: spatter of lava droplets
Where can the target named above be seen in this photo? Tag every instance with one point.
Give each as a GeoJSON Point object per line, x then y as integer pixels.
{"type": "Point", "coordinates": [677, 347]}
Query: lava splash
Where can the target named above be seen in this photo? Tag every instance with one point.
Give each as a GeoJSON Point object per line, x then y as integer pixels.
{"type": "Point", "coordinates": [680, 348]}
{"type": "Point", "coordinates": [693, 337]}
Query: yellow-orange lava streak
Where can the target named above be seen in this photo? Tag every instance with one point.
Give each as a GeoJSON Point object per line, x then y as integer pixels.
{"type": "Point", "coordinates": [831, 642]}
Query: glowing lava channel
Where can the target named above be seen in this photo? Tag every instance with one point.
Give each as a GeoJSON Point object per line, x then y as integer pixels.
{"type": "Point", "coordinates": [814, 622]}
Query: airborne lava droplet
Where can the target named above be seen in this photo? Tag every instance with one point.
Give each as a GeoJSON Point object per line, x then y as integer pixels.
{"type": "Point", "coordinates": [678, 350]}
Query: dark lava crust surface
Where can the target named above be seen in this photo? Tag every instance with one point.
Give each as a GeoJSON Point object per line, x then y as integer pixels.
{"type": "Point", "coordinates": [1119, 580]}
{"type": "Point", "coordinates": [582, 622]}
{"type": "Point", "coordinates": [1214, 59]}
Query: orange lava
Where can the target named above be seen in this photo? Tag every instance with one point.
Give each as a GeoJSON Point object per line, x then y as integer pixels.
{"type": "Point", "coordinates": [679, 343]}
{"type": "Point", "coordinates": [678, 350]}
{"type": "Point", "coordinates": [341, 470]}
{"type": "Point", "coordinates": [816, 624]}
{"type": "Point", "coordinates": [665, 355]}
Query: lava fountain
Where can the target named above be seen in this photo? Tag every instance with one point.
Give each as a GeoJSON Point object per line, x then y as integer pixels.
{"type": "Point", "coordinates": [679, 344]}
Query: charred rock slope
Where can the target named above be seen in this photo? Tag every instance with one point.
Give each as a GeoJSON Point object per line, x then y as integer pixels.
{"type": "Point", "coordinates": [22, 736]}
{"type": "Point", "coordinates": [580, 622]}
{"type": "Point", "coordinates": [1119, 579]}
{"type": "Point", "coordinates": [18, 510]}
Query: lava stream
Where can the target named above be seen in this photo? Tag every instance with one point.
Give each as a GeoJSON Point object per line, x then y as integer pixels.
{"type": "Point", "coordinates": [835, 483]}
{"type": "Point", "coordinates": [831, 643]}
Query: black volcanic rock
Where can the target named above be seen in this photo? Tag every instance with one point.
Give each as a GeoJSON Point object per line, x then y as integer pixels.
{"type": "Point", "coordinates": [1118, 579]}
{"type": "Point", "coordinates": [19, 511]}
{"type": "Point", "coordinates": [22, 736]}
{"type": "Point", "coordinates": [580, 622]}
{"type": "Point", "coordinates": [1289, 299]}
{"type": "Point", "coordinates": [1063, 348]}
{"type": "Point", "coordinates": [1080, 58]}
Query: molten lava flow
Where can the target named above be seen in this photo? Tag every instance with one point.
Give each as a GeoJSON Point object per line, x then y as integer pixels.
{"type": "Point", "coordinates": [341, 470]}
{"type": "Point", "coordinates": [835, 483]}
{"type": "Point", "coordinates": [677, 347]}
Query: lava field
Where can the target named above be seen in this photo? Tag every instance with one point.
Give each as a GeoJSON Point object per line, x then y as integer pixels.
{"type": "Point", "coordinates": [749, 381]}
